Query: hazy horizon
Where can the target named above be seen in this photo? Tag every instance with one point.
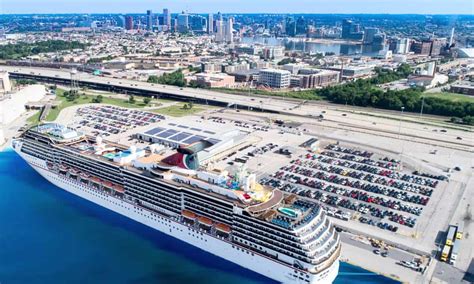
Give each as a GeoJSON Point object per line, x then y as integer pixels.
{"type": "Point", "coordinates": [421, 7]}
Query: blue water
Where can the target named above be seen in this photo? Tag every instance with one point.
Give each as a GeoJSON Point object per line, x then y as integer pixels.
{"type": "Point", "coordinates": [50, 236]}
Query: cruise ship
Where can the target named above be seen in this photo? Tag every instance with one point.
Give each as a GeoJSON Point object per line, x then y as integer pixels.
{"type": "Point", "coordinates": [228, 214]}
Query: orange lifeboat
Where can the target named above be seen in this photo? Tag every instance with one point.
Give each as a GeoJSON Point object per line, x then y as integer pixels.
{"type": "Point", "coordinates": [96, 180]}
{"type": "Point", "coordinates": [205, 221]}
{"type": "Point", "coordinates": [188, 214]}
{"type": "Point", "coordinates": [223, 228]}
{"type": "Point", "coordinates": [118, 188]}
{"type": "Point", "coordinates": [107, 184]}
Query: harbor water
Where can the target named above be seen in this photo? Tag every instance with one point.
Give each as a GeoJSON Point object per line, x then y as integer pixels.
{"type": "Point", "coordinates": [48, 235]}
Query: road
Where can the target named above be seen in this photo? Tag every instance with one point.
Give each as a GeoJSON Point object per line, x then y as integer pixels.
{"type": "Point", "coordinates": [388, 123]}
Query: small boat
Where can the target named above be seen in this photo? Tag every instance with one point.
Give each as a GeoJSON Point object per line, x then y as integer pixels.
{"type": "Point", "coordinates": [188, 214]}
{"type": "Point", "coordinates": [205, 221]}
{"type": "Point", "coordinates": [223, 228]}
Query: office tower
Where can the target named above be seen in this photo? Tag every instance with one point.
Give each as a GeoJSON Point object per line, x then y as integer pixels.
{"type": "Point", "coordinates": [378, 42]}
{"type": "Point", "coordinates": [198, 23]}
{"type": "Point", "coordinates": [121, 21]}
{"type": "Point", "coordinates": [301, 26]}
{"type": "Point", "coordinates": [129, 23]}
{"type": "Point", "coordinates": [350, 30]}
{"type": "Point", "coordinates": [369, 34]}
{"type": "Point", "coordinates": [290, 27]}
{"type": "Point", "coordinates": [219, 31]}
{"type": "Point", "coordinates": [167, 18]}
{"type": "Point", "coordinates": [183, 22]}
{"type": "Point", "coordinates": [210, 24]}
{"type": "Point", "coordinates": [149, 20]}
{"type": "Point", "coordinates": [402, 45]}
{"type": "Point", "coordinates": [423, 48]}
{"type": "Point", "coordinates": [436, 46]}
{"type": "Point", "coordinates": [229, 28]}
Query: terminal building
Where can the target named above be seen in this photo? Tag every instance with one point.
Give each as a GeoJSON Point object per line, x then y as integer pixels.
{"type": "Point", "coordinates": [177, 134]}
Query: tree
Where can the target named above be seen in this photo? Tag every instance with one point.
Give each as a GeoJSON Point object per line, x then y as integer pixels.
{"type": "Point", "coordinates": [131, 99]}
{"type": "Point", "coordinates": [152, 79]}
{"type": "Point", "coordinates": [190, 105]}
{"type": "Point", "coordinates": [175, 78]}
{"type": "Point", "coordinates": [185, 106]}
{"type": "Point", "coordinates": [98, 99]}
{"type": "Point", "coordinates": [146, 100]}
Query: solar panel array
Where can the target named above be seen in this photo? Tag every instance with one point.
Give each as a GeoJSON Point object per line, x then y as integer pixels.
{"type": "Point", "coordinates": [182, 137]}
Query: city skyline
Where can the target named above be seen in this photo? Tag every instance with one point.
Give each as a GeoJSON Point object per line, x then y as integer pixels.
{"type": "Point", "coordinates": [242, 6]}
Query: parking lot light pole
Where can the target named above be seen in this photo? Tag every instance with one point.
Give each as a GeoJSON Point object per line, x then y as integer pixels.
{"type": "Point", "coordinates": [400, 130]}
{"type": "Point", "coordinates": [422, 105]}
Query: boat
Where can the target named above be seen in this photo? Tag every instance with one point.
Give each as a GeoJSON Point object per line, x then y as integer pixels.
{"type": "Point", "coordinates": [232, 216]}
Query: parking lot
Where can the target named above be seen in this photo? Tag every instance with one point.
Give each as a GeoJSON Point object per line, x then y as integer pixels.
{"type": "Point", "coordinates": [354, 184]}
{"type": "Point", "coordinates": [111, 120]}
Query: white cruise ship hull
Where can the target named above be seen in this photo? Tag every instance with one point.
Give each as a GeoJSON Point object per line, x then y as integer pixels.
{"type": "Point", "coordinates": [221, 248]}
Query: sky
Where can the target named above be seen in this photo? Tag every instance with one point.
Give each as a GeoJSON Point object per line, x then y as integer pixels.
{"type": "Point", "coordinates": [240, 6]}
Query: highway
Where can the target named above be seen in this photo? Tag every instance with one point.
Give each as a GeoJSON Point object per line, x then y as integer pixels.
{"type": "Point", "coordinates": [61, 76]}
{"type": "Point", "coordinates": [387, 123]}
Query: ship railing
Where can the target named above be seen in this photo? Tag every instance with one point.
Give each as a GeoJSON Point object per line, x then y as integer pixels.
{"type": "Point", "coordinates": [327, 263]}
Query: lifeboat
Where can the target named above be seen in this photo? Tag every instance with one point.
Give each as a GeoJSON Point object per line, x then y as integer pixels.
{"type": "Point", "coordinates": [223, 228]}
{"type": "Point", "coordinates": [118, 188]}
{"type": "Point", "coordinates": [63, 168]}
{"type": "Point", "coordinates": [107, 184]}
{"type": "Point", "coordinates": [49, 165]}
{"type": "Point", "coordinates": [96, 180]}
{"type": "Point", "coordinates": [188, 214]}
{"type": "Point", "coordinates": [205, 221]}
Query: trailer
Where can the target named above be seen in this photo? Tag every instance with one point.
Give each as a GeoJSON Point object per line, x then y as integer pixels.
{"type": "Point", "coordinates": [451, 235]}
{"type": "Point", "coordinates": [454, 253]}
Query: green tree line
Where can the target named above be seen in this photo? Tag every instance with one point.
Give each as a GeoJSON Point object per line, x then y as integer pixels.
{"type": "Point", "coordinates": [363, 93]}
{"type": "Point", "coordinates": [23, 49]}
{"type": "Point", "coordinates": [175, 78]}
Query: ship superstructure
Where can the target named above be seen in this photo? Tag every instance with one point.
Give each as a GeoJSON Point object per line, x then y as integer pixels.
{"type": "Point", "coordinates": [228, 214]}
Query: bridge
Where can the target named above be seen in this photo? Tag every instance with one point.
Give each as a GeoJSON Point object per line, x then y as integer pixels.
{"type": "Point", "coordinates": [139, 88]}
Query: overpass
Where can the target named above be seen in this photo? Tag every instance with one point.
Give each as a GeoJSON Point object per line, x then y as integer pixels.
{"type": "Point", "coordinates": [132, 87]}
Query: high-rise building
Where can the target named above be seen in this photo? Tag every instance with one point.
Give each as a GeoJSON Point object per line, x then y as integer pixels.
{"type": "Point", "coordinates": [379, 42]}
{"type": "Point", "coordinates": [436, 46]}
{"type": "Point", "coordinates": [121, 21]}
{"type": "Point", "coordinates": [290, 27]}
{"type": "Point", "coordinates": [167, 18]}
{"type": "Point", "coordinates": [351, 30]}
{"type": "Point", "coordinates": [197, 23]}
{"type": "Point", "coordinates": [301, 26]}
{"type": "Point", "coordinates": [229, 29]}
{"type": "Point", "coordinates": [402, 45]}
{"type": "Point", "coordinates": [210, 24]}
{"type": "Point", "coordinates": [423, 47]}
{"type": "Point", "coordinates": [129, 23]}
{"type": "Point", "coordinates": [149, 20]}
{"type": "Point", "coordinates": [219, 37]}
{"type": "Point", "coordinates": [369, 34]}
{"type": "Point", "coordinates": [183, 22]}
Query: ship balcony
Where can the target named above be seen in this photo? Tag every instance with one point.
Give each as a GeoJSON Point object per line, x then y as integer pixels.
{"type": "Point", "coordinates": [327, 263]}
